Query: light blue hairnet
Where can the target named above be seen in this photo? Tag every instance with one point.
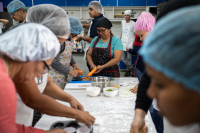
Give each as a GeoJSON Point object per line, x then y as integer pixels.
{"type": "Point", "coordinates": [15, 5]}
{"type": "Point", "coordinates": [51, 16]}
{"type": "Point", "coordinates": [75, 25]}
{"type": "Point", "coordinates": [173, 47]}
{"type": "Point", "coordinates": [29, 42]}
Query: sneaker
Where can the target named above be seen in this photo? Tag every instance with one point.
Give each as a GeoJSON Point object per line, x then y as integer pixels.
{"type": "Point", "coordinates": [127, 74]}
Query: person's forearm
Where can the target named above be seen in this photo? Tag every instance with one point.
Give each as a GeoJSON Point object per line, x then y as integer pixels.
{"type": "Point", "coordinates": [121, 36]}
{"type": "Point", "coordinates": [89, 60]}
{"type": "Point", "coordinates": [87, 39]}
{"type": "Point", "coordinates": [5, 21]}
{"type": "Point", "coordinates": [112, 62]}
{"type": "Point", "coordinates": [55, 92]}
{"type": "Point", "coordinates": [143, 101]}
{"type": "Point", "coordinates": [86, 26]}
{"type": "Point", "coordinates": [49, 106]}
{"type": "Point", "coordinates": [32, 97]}
{"type": "Point", "coordinates": [72, 61]}
{"type": "Point", "coordinates": [140, 113]}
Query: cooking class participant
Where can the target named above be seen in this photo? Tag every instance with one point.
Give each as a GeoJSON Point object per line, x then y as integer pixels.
{"type": "Point", "coordinates": [105, 50]}
{"type": "Point", "coordinates": [127, 37]}
{"type": "Point", "coordinates": [177, 91]}
{"type": "Point", "coordinates": [21, 60]}
{"type": "Point", "coordinates": [143, 26]}
{"type": "Point", "coordinates": [17, 11]}
{"type": "Point", "coordinates": [64, 58]}
{"type": "Point", "coordinates": [143, 102]}
{"type": "Point", "coordinates": [48, 16]}
{"type": "Point", "coordinates": [95, 11]}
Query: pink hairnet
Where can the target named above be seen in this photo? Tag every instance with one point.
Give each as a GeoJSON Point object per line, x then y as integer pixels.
{"type": "Point", "coordinates": [145, 22]}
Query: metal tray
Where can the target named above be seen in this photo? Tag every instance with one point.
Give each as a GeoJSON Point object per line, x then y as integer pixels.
{"type": "Point", "coordinates": [64, 124]}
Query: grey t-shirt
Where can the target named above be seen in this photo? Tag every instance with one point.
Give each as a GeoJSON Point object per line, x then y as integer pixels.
{"type": "Point", "coordinates": [59, 66]}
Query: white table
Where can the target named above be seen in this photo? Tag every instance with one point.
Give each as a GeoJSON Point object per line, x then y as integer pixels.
{"type": "Point", "coordinates": [117, 112]}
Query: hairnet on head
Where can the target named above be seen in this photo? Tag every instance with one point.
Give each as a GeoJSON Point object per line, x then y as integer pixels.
{"type": "Point", "coordinates": [128, 12]}
{"type": "Point", "coordinates": [51, 16]}
{"type": "Point", "coordinates": [15, 5]}
{"type": "Point", "coordinates": [145, 22]}
{"type": "Point", "coordinates": [176, 54]}
{"type": "Point", "coordinates": [174, 5]}
{"type": "Point", "coordinates": [96, 6]}
{"type": "Point", "coordinates": [104, 22]}
{"type": "Point", "coordinates": [75, 25]}
{"type": "Point", "coordinates": [29, 42]}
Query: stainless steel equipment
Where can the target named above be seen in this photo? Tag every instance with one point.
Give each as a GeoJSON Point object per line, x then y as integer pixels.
{"type": "Point", "coordinates": [101, 82]}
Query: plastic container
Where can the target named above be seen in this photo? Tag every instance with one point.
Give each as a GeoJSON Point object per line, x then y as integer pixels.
{"type": "Point", "coordinates": [66, 124]}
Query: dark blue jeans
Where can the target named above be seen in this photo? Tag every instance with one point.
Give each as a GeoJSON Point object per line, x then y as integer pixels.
{"type": "Point", "coordinates": [138, 74]}
{"type": "Point", "coordinates": [158, 121]}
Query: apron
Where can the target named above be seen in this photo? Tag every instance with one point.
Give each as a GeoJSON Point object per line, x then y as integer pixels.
{"type": "Point", "coordinates": [65, 59]}
{"type": "Point", "coordinates": [101, 56]}
{"type": "Point", "coordinates": [127, 34]}
{"type": "Point", "coordinates": [24, 114]}
{"type": "Point", "coordinates": [87, 43]}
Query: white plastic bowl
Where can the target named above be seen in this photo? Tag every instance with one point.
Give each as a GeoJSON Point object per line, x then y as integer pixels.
{"type": "Point", "coordinates": [93, 91]}
{"type": "Point", "coordinates": [83, 130]}
{"type": "Point", "coordinates": [110, 93]}
{"type": "Point", "coordinates": [70, 130]}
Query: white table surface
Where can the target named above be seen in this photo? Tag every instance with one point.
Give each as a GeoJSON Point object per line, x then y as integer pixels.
{"type": "Point", "coordinates": [117, 112]}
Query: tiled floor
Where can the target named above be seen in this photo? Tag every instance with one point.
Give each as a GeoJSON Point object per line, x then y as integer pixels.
{"type": "Point", "coordinates": [78, 57]}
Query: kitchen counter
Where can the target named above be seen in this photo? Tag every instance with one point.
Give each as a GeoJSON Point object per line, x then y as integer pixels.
{"type": "Point", "coordinates": [117, 113]}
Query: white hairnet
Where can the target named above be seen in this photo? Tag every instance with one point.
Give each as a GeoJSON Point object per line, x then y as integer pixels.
{"type": "Point", "coordinates": [96, 6]}
{"type": "Point", "coordinates": [29, 42]}
{"type": "Point", "coordinates": [53, 17]}
{"type": "Point", "coordinates": [128, 12]}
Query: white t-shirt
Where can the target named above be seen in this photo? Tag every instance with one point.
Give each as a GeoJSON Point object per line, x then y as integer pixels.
{"type": "Point", "coordinates": [1, 27]}
{"type": "Point", "coordinates": [128, 35]}
{"type": "Point", "coordinates": [24, 114]}
{"type": "Point", "coordinates": [169, 128]}
{"type": "Point", "coordinates": [87, 43]}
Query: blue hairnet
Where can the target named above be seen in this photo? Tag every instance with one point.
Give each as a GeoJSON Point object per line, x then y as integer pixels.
{"type": "Point", "coordinates": [15, 5]}
{"type": "Point", "coordinates": [75, 25]}
{"type": "Point", "coordinates": [173, 47]}
{"type": "Point", "coordinates": [29, 42]}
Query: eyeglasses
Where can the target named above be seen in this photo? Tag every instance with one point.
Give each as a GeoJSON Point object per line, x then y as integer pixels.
{"type": "Point", "coordinates": [46, 69]}
{"type": "Point", "coordinates": [101, 31]}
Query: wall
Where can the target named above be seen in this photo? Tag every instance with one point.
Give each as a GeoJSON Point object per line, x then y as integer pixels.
{"type": "Point", "coordinates": [84, 3]}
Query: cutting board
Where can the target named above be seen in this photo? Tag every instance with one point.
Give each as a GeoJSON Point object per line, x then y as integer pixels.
{"type": "Point", "coordinates": [81, 81]}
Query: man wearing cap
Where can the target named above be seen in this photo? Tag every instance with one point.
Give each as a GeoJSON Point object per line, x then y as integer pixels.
{"type": "Point", "coordinates": [127, 37]}
{"type": "Point", "coordinates": [17, 11]}
{"type": "Point", "coordinates": [95, 11]}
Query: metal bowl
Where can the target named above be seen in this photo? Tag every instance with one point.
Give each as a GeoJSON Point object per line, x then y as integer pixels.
{"type": "Point", "coordinates": [101, 82]}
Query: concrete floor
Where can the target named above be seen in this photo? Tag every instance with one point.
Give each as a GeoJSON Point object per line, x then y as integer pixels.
{"type": "Point", "coordinates": [78, 57]}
